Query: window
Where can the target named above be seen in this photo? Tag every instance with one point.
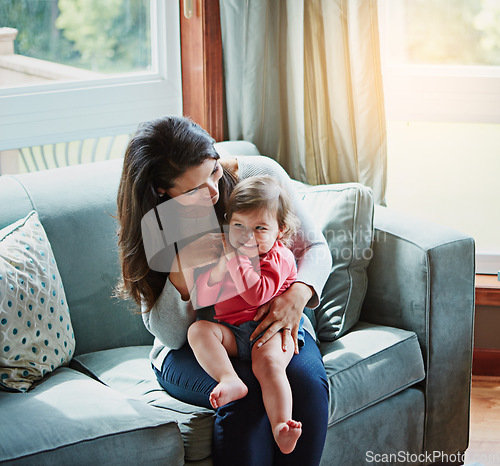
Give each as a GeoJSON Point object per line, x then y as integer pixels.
{"type": "Point", "coordinates": [66, 40]}
{"type": "Point", "coordinates": [441, 71]}
{"type": "Point", "coordinates": [91, 68]}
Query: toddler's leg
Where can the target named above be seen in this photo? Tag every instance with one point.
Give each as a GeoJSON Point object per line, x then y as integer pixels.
{"type": "Point", "coordinates": [269, 364]}
{"type": "Point", "coordinates": [212, 345]}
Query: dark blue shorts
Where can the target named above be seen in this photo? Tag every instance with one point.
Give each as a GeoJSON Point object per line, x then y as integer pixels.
{"type": "Point", "coordinates": [242, 334]}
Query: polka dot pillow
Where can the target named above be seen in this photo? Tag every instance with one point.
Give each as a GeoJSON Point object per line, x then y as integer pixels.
{"type": "Point", "coordinates": [36, 335]}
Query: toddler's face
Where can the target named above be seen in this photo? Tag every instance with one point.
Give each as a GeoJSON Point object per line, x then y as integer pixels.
{"type": "Point", "coordinates": [253, 232]}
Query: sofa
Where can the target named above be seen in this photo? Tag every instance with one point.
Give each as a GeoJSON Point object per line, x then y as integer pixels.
{"type": "Point", "coordinates": [394, 325]}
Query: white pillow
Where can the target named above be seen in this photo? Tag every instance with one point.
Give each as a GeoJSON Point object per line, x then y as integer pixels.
{"type": "Point", "coordinates": [36, 335]}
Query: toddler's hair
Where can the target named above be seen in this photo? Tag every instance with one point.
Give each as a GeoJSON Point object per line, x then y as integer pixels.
{"type": "Point", "coordinates": [264, 191]}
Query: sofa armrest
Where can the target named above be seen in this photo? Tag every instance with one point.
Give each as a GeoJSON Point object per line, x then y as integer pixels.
{"type": "Point", "coordinates": [421, 278]}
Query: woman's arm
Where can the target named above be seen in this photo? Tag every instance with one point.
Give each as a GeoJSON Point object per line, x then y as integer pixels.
{"type": "Point", "coordinates": [205, 250]}
{"type": "Point", "coordinates": [173, 312]}
{"type": "Point", "coordinates": [170, 317]}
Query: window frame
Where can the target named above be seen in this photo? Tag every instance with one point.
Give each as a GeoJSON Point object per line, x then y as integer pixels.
{"type": "Point", "coordinates": [466, 94]}
{"type": "Point", "coordinates": [67, 111]}
{"type": "Point", "coordinates": [435, 93]}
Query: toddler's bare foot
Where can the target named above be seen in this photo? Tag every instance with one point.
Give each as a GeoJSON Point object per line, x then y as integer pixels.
{"type": "Point", "coordinates": [228, 390]}
{"type": "Point", "coordinates": [286, 435]}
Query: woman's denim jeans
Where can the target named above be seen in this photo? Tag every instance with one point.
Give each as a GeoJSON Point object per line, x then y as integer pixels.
{"type": "Point", "coordinates": [242, 433]}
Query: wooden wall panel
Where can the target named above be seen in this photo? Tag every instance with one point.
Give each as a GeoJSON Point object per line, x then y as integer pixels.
{"type": "Point", "coordinates": [202, 72]}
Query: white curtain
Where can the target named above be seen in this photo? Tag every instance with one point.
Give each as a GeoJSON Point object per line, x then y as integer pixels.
{"type": "Point", "coordinates": [303, 82]}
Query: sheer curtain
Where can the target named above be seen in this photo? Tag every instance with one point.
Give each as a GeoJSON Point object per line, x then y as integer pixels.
{"type": "Point", "coordinates": [303, 82]}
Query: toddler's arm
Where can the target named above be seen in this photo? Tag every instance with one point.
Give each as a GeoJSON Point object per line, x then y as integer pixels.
{"type": "Point", "coordinates": [257, 287]}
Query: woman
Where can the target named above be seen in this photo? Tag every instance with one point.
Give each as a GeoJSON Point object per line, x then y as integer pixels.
{"type": "Point", "coordinates": [172, 158]}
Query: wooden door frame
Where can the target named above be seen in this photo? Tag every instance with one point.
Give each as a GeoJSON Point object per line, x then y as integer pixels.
{"type": "Point", "coordinates": [201, 62]}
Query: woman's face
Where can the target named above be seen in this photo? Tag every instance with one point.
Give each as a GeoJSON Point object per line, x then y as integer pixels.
{"type": "Point", "coordinates": [199, 185]}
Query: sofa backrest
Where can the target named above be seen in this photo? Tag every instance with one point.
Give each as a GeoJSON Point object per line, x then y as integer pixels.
{"type": "Point", "coordinates": [76, 206]}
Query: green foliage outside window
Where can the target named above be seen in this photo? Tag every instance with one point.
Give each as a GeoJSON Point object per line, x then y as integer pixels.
{"type": "Point", "coordinates": [452, 32]}
{"type": "Point", "coordinates": [108, 36]}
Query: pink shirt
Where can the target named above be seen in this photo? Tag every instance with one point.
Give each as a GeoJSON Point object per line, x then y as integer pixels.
{"type": "Point", "coordinates": [236, 302]}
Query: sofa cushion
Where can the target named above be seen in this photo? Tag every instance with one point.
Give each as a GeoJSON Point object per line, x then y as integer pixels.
{"type": "Point", "coordinates": [69, 418]}
{"type": "Point", "coordinates": [78, 215]}
{"type": "Point", "coordinates": [344, 213]}
{"type": "Point", "coordinates": [369, 364]}
{"type": "Point", "coordinates": [35, 326]}
{"type": "Point", "coordinates": [129, 371]}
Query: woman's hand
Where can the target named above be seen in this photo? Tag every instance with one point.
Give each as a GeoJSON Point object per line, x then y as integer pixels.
{"type": "Point", "coordinates": [204, 250]}
{"type": "Point", "coordinates": [283, 312]}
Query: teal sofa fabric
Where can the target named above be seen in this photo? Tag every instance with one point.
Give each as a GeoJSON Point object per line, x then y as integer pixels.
{"type": "Point", "coordinates": [76, 206]}
{"type": "Point", "coordinates": [73, 419]}
{"type": "Point", "coordinates": [426, 285]}
{"type": "Point", "coordinates": [396, 336]}
{"type": "Point", "coordinates": [128, 371]}
{"type": "Point", "coordinates": [344, 213]}
{"type": "Point", "coordinates": [354, 386]}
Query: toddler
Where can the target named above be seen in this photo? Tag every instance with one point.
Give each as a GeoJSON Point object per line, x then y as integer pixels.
{"type": "Point", "coordinates": [254, 267]}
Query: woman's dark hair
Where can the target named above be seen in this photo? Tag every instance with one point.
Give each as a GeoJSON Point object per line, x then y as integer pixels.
{"type": "Point", "coordinates": [159, 152]}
